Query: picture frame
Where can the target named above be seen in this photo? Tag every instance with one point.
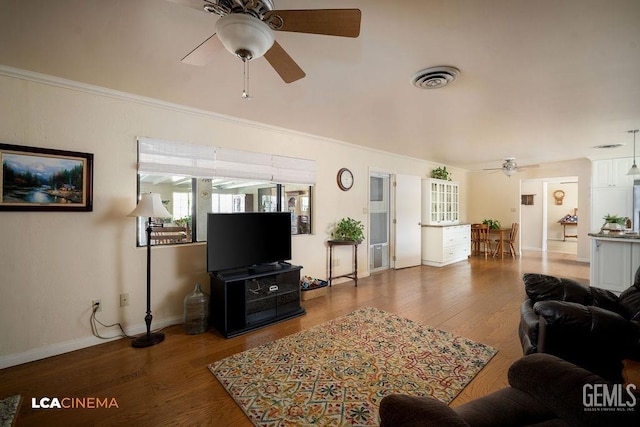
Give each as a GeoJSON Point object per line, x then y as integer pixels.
{"type": "Point", "coordinates": [43, 179]}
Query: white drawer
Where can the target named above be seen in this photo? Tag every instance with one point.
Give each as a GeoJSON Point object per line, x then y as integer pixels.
{"type": "Point", "coordinates": [455, 235]}
{"type": "Point", "coordinates": [456, 252]}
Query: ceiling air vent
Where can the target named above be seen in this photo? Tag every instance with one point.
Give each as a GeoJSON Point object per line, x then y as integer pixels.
{"type": "Point", "coordinates": [608, 146]}
{"type": "Point", "coordinates": [434, 77]}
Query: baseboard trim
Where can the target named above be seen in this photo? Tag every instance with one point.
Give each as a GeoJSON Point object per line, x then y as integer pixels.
{"type": "Point", "coordinates": [77, 344]}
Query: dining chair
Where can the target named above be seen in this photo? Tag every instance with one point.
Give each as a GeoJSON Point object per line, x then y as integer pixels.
{"type": "Point", "coordinates": [508, 243]}
{"type": "Point", "coordinates": [480, 239]}
{"type": "Point", "coordinates": [168, 235]}
{"type": "Point", "coordinates": [474, 238]}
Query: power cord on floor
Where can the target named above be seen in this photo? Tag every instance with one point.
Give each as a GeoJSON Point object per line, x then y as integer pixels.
{"type": "Point", "coordinates": [94, 326]}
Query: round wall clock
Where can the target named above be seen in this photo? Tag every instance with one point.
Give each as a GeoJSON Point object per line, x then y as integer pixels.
{"type": "Point", "coordinates": [558, 195]}
{"type": "Point", "coordinates": [345, 179]}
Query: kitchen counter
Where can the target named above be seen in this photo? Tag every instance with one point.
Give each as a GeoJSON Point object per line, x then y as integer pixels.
{"type": "Point", "coordinates": [445, 225]}
{"type": "Point", "coordinates": [617, 236]}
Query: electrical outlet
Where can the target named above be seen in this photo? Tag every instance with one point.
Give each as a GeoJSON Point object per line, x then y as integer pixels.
{"type": "Point", "coordinates": [336, 262]}
{"type": "Point", "coordinates": [93, 304]}
{"type": "Point", "coordinates": [124, 300]}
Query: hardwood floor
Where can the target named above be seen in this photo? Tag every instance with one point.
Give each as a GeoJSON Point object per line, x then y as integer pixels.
{"type": "Point", "coordinates": [169, 384]}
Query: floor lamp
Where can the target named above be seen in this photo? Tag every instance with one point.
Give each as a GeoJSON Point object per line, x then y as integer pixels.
{"type": "Point", "coordinates": [150, 206]}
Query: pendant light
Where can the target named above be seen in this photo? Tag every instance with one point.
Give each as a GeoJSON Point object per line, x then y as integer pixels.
{"type": "Point", "coordinates": [635, 170]}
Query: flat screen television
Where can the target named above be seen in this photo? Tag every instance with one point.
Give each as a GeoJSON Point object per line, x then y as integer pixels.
{"type": "Point", "coordinates": [249, 240]}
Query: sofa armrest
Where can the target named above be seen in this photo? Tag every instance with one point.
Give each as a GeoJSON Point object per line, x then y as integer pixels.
{"type": "Point", "coordinates": [413, 411]}
{"type": "Point", "coordinates": [528, 328]}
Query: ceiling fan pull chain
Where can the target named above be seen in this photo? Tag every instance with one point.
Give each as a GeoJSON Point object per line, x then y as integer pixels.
{"type": "Point", "coordinates": [245, 91]}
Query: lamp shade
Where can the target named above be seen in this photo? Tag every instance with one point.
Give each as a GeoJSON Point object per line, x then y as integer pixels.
{"type": "Point", "coordinates": [150, 206]}
{"type": "Point", "coordinates": [244, 35]}
{"type": "Point", "coordinates": [635, 170]}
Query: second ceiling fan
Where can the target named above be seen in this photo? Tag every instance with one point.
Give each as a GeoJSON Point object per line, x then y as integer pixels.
{"type": "Point", "coordinates": [510, 167]}
{"type": "Point", "coordinates": [245, 28]}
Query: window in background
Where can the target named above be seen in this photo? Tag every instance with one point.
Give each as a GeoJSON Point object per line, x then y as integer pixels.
{"type": "Point", "coordinates": [181, 205]}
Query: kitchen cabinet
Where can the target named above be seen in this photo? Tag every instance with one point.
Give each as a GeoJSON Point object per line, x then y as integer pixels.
{"type": "Point", "coordinates": [611, 190]}
{"type": "Point", "coordinates": [440, 202]}
{"type": "Point", "coordinates": [443, 245]}
{"type": "Point", "coordinates": [614, 261]}
{"type": "Point", "coordinates": [611, 173]}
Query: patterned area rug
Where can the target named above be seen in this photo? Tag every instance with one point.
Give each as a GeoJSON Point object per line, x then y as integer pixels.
{"type": "Point", "coordinates": [9, 410]}
{"type": "Point", "coordinates": [336, 373]}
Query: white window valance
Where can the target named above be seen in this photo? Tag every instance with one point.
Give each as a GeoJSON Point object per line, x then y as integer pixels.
{"type": "Point", "coordinates": [161, 157]}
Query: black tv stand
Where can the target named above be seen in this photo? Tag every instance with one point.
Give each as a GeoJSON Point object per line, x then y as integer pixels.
{"type": "Point", "coordinates": [248, 300]}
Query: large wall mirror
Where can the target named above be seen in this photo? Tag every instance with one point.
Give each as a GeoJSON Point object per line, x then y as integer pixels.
{"type": "Point", "coordinates": [193, 180]}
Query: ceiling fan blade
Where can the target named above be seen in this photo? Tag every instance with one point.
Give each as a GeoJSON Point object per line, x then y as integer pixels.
{"type": "Point", "coordinates": [204, 52]}
{"type": "Point", "coordinates": [193, 4]}
{"type": "Point", "coordinates": [332, 22]}
{"type": "Point", "coordinates": [284, 65]}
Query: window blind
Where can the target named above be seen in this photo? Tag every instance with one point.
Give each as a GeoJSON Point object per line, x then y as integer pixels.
{"type": "Point", "coordinates": [292, 170]}
{"type": "Point", "coordinates": [160, 157]}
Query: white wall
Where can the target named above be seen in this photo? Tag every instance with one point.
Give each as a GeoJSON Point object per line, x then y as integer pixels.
{"type": "Point", "coordinates": [531, 216]}
{"type": "Point", "coordinates": [53, 264]}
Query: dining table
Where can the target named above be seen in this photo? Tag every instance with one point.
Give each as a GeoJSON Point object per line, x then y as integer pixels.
{"type": "Point", "coordinates": [502, 234]}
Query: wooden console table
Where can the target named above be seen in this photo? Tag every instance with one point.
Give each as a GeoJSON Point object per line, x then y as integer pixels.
{"type": "Point", "coordinates": [564, 229]}
{"type": "Point", "coordinates": [354, 274]}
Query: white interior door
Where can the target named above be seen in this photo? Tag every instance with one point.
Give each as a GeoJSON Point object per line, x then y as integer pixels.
{"type": "Point", "coordinates": [408, 232]}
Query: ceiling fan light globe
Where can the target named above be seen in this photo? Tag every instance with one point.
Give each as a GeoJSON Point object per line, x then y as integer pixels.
{"type": "Point", "coordinates": [243, 33]}
{"type": "Point", "coordinates": [509, 172]}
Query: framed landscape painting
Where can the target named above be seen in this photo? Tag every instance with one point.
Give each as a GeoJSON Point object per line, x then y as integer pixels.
{"type": "Point", "coordinates": [41, 179]}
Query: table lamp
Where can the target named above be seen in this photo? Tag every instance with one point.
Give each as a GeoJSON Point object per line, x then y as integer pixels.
{"type": "Point", "coordinates": [150, 206]}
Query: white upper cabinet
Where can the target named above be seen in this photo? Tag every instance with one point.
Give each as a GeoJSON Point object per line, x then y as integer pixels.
{"type": "Point", "coordinates": [612, 173]}
{"type": "Point", "coordinates": [441, 202]}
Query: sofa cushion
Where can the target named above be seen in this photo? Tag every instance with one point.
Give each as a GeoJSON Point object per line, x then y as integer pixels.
{"type": "Point", "coordinates": [399, 410]}
{"type": "Point", "coordinates": [507, 407]}
{"type": "Point", "coordinates": [565, 397]}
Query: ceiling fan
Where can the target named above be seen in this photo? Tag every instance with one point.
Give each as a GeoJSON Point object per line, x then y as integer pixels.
{"type": "Point", "coordinates": [510, 167]}
{"type": "Point", "coordinates": [245, 28]}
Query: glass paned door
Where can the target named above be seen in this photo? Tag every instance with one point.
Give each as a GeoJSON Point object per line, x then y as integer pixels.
{"type": "Point", "coordinates": [379, 221]}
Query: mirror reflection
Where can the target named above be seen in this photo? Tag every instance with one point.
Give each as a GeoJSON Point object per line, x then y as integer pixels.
{"type": "Point", "coordinates": [190, 200]}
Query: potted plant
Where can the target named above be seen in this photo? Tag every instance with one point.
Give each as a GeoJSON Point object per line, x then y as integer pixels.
{"type": "Point", "coordinates": [493, 224]}
{"type": "Point", "coordinates": [348, 229]}
{"type": "Point", "coordinates": [441, 173]}
{"type": "Point", "coordinates": [614, 222]}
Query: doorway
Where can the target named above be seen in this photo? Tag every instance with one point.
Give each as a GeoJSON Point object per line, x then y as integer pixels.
{"type": "Point", "coordinates": [550, 201]}
{"type": "Point", "coordinates": [379, 226]}
{"type": "Point", "coordinates": [562, 215]}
